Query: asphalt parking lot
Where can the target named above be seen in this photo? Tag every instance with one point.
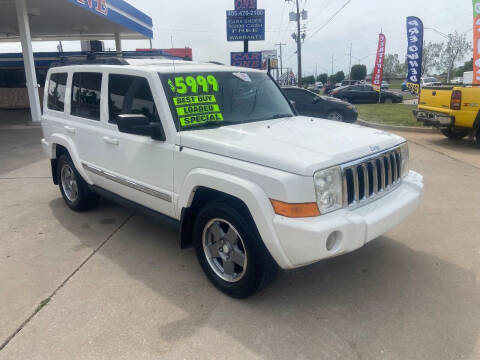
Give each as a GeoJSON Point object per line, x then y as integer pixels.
{"type": "Point", "coordinates": [112, 284]}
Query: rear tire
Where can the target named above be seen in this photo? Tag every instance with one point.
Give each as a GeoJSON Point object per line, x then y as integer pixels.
{"type": "Point", "coordinates": [74, 189]}
{"type": "Point", "coordinates": [230, 250]}
{"type": "Point", "coordinates": [455, 134]}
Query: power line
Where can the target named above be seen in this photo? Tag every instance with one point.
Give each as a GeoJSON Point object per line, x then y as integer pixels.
{"type": "Point", "coordinates": [281, 21]}
{"type": "Point", "coordinates": [330, 19]}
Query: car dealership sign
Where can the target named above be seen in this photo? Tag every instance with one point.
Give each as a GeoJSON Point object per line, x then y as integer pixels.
{"type": "Point", "coordinates": [99, 6]}
{"type": "Point", "coordinates": [246, 22]}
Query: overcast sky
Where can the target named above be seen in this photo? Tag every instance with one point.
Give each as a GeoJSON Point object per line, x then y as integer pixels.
{"type": "Point", "coordinates": [201, 26]}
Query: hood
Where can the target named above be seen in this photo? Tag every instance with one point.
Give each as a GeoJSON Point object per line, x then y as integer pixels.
{"type": "Point", "coordinates": [299, 145]}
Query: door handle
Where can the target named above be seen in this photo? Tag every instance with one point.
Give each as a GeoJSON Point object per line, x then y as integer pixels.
{"type": "Point", "coordinates": [110, 140]}
{"type": "Point", "coordinates": [70, 129]}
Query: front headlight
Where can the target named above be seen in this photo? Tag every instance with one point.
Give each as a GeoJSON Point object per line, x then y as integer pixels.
{"type": "Point", "coordinates": [404, 153]}
{"type": "Point", "coordinates": [328, 187]}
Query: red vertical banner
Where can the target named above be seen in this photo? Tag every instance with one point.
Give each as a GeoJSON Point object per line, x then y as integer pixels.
{"type": "Point", "coordinates": [476, 41]}
{"type": "Point", "coordinates": [377, 76]}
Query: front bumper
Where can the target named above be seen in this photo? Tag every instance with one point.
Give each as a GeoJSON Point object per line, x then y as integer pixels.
{"type": "Point", "coordinates": [304, 241]}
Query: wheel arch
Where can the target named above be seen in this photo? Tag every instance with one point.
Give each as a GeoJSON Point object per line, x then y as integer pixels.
{"type": "Point", "coordinates": [64, 145]}
{"type": "Point", "coordinates": [203, 185]}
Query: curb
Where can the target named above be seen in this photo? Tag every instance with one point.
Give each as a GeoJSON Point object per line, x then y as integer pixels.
{"type": "Point", "coordinates": [424, 130]}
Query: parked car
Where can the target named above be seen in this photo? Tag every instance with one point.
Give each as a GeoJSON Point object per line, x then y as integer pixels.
{"type": "Point", "coordinates": [365, 94]}
{"type": "Point", "coordinates": [220, 151]}
{"type": "Point", "coordinates": [350, 82]}
{"type": "Point", "coordinates": [308, 103]}
{"type": "Point", "coordinates": [385, 85]}
{"type": "Point", "coordinates": [429, 81]}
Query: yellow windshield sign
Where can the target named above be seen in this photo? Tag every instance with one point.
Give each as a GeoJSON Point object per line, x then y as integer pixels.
{"type": "Point", "coordinates": [195, 101]}
{"type": "Point", "coordinates": [198, 109]}
{"type": "Point", "coordinates": [200, 119]}
{"type": "Point", "coordinates": [187, 100]}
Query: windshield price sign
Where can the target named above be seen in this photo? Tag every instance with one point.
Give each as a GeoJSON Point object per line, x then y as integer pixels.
{"type": "Point", "coordinates": [245, 25]}
{"type": "Point", "coordinates": [251, 60]}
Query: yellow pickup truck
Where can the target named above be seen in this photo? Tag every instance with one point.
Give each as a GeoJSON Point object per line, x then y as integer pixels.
{"type": "Point", "coordinates": [455, 110]}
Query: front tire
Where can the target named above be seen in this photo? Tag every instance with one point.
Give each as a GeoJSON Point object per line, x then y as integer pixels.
{"type": "Point", "coordinates": [455, 134]}
{"type": "Point", "coordinates": [335, 115]}
{"type": "Point", "coordinates": [230, 250]}
{"type": "Point", "coordinates": [74, 189]}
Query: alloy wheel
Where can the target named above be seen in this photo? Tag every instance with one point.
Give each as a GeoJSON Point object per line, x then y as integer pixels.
{"type": "Point", "coordinates": [224, 250]}
{"type": "Point", "coordinates": [69, 183]}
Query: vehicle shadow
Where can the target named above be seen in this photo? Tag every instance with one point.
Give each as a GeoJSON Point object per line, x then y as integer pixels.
{"type": "Point", "coordinates": [466, 144]}
{"type": "Point", "coordinates": [385, 300]}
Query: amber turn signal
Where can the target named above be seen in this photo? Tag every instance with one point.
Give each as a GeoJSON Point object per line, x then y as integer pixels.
{"type": "Point", "coordinates": [295, 210]}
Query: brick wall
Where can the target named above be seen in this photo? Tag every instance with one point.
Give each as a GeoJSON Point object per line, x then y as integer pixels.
{"type": "Point", "coordinates": [16, 98]}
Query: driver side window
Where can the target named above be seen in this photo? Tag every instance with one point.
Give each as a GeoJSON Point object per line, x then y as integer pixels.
{"type": "Point", "coordinates": [130, 95]}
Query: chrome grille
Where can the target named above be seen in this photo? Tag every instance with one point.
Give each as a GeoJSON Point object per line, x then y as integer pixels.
{"type": "Point", "coordinates": [367, 179]}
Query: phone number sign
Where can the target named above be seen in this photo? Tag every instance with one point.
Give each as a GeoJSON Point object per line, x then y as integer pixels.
{"type": "Point", "coordinates": [245, 25]}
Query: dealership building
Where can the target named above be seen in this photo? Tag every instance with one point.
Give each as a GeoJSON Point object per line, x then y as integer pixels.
{"type": "Point", "coordinates": [25, 21]}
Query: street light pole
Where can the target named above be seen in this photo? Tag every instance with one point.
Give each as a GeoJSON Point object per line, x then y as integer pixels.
{"type": "Point", "coordinates": [350, 68]}
{"type": "Point", "coordinates": [281, 57]}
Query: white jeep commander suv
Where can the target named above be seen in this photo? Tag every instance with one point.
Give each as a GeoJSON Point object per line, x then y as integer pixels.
{"type": "Point", "coordinates": [220, 150]}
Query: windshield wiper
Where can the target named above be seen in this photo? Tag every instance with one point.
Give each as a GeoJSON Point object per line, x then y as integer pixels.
{"type": "Point", "coordinates": [279, 116]}
{"type": "Point", "coordinates": [211, 125]}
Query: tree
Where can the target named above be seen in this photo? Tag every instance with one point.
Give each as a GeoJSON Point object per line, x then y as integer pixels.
{"type": "Point", "coordinates": [468, 66]}
{"type": "Point", "coordinates": [392, 66]}
{"type": "Point", "coordinates": [359, 72]}
{"type": "Point", "coordinates": [308, 80]}
{"type": "Point", "coordinates": [339, 76]}
{"type": "Point", "coordinates": [455, 49]}
{"type": "Point", "coordinates": [323, 78]}
{"type": "Point", "coordinates": [431, 57]}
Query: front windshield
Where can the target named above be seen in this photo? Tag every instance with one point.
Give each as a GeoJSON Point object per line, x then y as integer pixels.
{"type": "Point", "coordinates": [430, 80]}
{"type": "Point", "coordinates": [202, 100]}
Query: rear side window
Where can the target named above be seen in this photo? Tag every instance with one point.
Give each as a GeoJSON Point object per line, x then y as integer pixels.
{"type": "Point", "coordinates": [86, 91]}
{"type": "Point", "coordinates": [130, 95]}
{"type": "Point", "coordinates": [56, 91]}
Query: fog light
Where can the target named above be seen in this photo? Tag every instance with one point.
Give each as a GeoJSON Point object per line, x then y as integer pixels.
{"type": "Point", "coordinates": [333, 241]}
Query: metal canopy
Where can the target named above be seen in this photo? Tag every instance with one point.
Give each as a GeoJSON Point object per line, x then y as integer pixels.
{"type": "Point", "coordinates": [76, 20]}
{"type": "Point", "coordinates": [30, 20]}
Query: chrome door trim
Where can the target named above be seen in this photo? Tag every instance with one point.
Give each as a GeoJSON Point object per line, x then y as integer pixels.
{"type": "Point", "coordinates": [129, 183]}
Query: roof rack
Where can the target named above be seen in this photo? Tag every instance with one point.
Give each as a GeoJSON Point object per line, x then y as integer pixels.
{"type": "Point", "coordinates": [91, 59]}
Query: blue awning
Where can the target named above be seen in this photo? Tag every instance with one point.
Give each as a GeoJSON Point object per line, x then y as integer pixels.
{"type": "Point", "coordinates": [76, 20]}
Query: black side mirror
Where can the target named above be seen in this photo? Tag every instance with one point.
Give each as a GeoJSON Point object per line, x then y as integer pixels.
{"type": "Point", "coordinates": [139, 124]}
{"type": "Point", "coordinates": [316, 100]}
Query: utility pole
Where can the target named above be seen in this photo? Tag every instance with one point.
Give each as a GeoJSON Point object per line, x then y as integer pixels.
{"type": "Point", "coordinates": [298, 36]}
{"type": "Point", "coordinates": [332, 64]}
{"type": "Point", "coordinates": [281, 57]}
{"type": "Point", "coordinates": [299, 46]}
{"type": "Point", "coordinates": [350, 68]}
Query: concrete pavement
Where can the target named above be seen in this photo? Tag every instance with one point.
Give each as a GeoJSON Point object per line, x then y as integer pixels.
{"type": "Point", "coordinates": [117, 286]}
